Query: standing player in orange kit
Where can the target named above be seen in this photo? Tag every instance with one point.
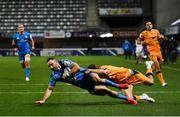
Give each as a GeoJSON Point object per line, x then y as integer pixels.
{"type": "Point", "coordinates": [151, 38]}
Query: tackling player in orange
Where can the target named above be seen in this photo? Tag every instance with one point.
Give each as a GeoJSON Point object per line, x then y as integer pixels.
{"type": "Point", "coordinates": [128, 76]}
{"type": "Point", "coordinates": [151, 38]}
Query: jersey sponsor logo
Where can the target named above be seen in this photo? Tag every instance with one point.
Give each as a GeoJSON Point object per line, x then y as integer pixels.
{"type": "Point", "coordinates": [67, 63]}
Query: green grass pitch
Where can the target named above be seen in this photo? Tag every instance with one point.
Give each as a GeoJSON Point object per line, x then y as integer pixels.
{"type": "Point", "coordinates": [17, 96]}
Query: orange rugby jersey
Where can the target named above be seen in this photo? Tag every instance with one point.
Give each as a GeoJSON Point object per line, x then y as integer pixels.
{"type": "Point", "coordinates": [117, 74]}
{"type": "Point", "coordinates": [124, 75]}
{"type": "Point", "coordinates": [151, 39]}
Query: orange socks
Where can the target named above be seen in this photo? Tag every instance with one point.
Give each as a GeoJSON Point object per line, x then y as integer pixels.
{"type": "Point", "coordinates": [160, 77]}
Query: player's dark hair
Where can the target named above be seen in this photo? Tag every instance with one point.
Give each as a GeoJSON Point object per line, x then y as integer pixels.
{"type": "Point", "coordinates": [51, 58]}
{"type": "Point", "coordinates": [148, 22]}
{"type": "Point", "coordinates": [92, 66]}
{"type": "Point", "coordinates": [20, 25]}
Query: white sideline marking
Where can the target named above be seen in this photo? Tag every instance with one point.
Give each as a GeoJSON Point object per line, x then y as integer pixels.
{"type": "Point", "coordinates": [80, 51]}
{"type": "Point", "coordinates": [158, 92]}
{"type": "Point", "coordinates": [30, 84]}
{"type": "Point", "coordinates": [114, 54]}
{"type": "Point", "coordinates": [166, 67]}
{"type": "Point", "coordinates": [171, 68]}
{"type": "Point", "coordinates": [43, 92]}
{"type": "Point", "coordinates": [23, 84]}
{"type": "Point", "coordinates": [85, 92]}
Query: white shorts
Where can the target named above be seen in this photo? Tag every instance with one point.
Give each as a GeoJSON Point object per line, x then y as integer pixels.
{"type": "Point", "coordinates": [139, 53]}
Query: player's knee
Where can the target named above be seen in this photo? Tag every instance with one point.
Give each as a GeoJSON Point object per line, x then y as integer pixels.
{"type": "Point", "coordinates": [150, 83]}
{"type": "Point", "coordinates": [98, 80]}
{"type": "Point", "coordinates": [99, 90]}
{"type": "Point", "coordinates": [27, 57]}
{"type": "Point", "coordinates": [27, 63]}
{"type": "Point", "coordinates": [130, 86]}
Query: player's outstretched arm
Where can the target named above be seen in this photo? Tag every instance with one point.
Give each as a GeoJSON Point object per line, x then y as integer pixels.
{"type": "Point", "coordinates": [46, 95]}
{"type": "Point", "coordinates": [99, 71]}
{"type": "Point", "coordinates": [32, 43]}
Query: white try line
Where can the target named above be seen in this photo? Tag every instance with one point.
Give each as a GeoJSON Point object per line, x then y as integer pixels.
{"type": "Point", "coordinates": [85, 92]}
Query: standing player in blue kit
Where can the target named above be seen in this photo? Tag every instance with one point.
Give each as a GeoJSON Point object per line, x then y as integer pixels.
{"type": "Point", "coordinates": [23, 43]}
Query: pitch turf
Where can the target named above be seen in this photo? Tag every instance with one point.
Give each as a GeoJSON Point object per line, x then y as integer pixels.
{"type": "Point", "coordinates": [17, 96]}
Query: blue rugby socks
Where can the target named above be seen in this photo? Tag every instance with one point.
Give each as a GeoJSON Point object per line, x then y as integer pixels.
{"type": "Point", "coordinates": [120, 96]}
{"type": "Point", "coordinates": [27, 72]}
{"type": "Point", "coordinates": [110, 83]}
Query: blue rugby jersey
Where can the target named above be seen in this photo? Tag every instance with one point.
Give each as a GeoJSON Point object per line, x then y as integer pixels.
{"type": "Point", "coordinates": [23, 42]}
{"type": "Point", "coordinates": [57, 75]}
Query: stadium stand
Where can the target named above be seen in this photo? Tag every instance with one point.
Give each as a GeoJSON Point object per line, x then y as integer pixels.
{"type": "Point", "coordinates": [75, 23]}
{"type": "Point", "coordinates": [42, 15]}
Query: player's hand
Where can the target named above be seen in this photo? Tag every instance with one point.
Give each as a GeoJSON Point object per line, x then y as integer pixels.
{"type": "Point", "coordinates": [66, 73]}
{"type": "Point", "coordinates": [161, 36]}
{"type": "Point", "coordinates": [33, 48]}
{"type": "Point", "coordinates": [15, 49]}
{"type": "Point", "coordinates": [40, 102]}
{"type": "Point", "coordinates": [106, 71]}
